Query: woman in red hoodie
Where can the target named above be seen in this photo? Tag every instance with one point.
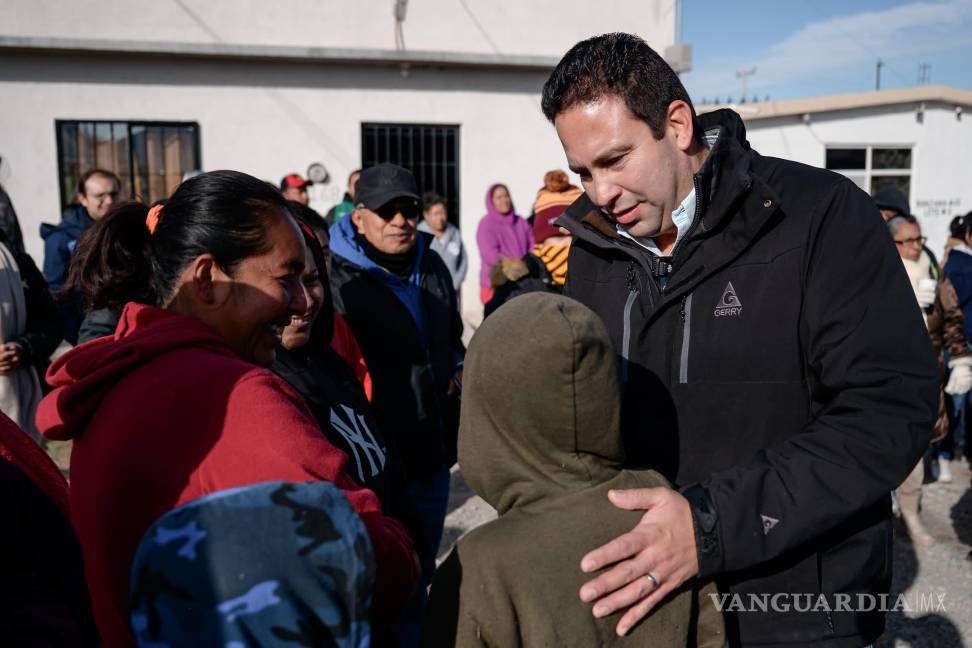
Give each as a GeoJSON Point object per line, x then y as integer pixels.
{"type": "Point", "coordinates": [177, 403]}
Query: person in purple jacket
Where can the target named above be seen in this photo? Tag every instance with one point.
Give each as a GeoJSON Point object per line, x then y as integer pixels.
{"type": "Point", "coordinates": [501, 233]}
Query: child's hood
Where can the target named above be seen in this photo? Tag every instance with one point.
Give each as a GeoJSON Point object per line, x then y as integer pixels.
{"type": "Point", "coordinates": [541, 402]}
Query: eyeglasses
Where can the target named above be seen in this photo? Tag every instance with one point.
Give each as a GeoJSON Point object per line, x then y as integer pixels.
{"type": "Point", "coordinates": [921, 240]}
{"type": "Point", "coordinates": [409, 210]}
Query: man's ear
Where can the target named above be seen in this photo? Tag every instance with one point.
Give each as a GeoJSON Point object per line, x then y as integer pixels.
{"type": "Point", "coordinates": [680, 121]}
{"type": "Point", "coordinates": [357, 218]}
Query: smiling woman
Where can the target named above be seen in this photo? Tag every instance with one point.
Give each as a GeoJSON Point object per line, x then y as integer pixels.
{"type": "Point", "coordinates": [171, 407]}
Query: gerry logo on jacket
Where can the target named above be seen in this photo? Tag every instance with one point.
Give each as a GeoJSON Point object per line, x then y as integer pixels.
{"type": "Point", "coordinates": [729, 305]}
{"type": "Point", "coordinates": [361, 442]}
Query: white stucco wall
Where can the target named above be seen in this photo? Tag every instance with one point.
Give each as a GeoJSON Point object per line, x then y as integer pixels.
{"type": "Point", "coordinates": [941, 179]}
{"type": "Point", "coordinates": [269, 119]}
{"type": "Point", "coordinates": [537, 27]}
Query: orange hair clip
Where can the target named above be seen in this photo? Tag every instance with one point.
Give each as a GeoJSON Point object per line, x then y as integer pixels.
{"type": "Point", "coordinates": [152, 220]}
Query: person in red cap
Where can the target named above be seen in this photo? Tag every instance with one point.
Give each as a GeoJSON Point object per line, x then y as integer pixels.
{"type": "Point", "coordinates": [294, 187]}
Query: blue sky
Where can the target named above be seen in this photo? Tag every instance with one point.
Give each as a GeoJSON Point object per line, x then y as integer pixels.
{"type": "Point", "coordinates": [808, 48]}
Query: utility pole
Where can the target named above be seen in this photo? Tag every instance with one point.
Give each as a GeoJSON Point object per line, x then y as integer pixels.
{"type": "Point", "coordinates": [877, 80]}
{"type": "Point", "coordinates": [743, 76]}
{"type": "Point", "coordinates": [924, 74]}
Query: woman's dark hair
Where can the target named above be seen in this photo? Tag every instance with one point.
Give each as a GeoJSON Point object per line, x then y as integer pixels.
{"type": "Point", "coordinates": [323, 328]}
{"type": "Point", "coordinates": [308, 215]}
{"type": "Point", "coordinates": [960, 226]}
{"type": "Point", "coordinates": [223, 213]}
{"type": "Point", "coordinates": [622, 65]}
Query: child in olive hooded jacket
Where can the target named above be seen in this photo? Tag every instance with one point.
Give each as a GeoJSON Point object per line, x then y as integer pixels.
{"type": "Point", "coordinates": [540, 441]}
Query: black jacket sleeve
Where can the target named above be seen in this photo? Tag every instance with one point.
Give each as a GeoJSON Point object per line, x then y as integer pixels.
{"type": "Point", "coordinates": [442, 612]}
{"type": "Point", "coordinates": [873, 386]}
{"type": "Point", "coordinates": [44, 330]}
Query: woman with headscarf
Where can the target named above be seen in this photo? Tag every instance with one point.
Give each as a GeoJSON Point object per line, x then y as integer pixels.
{"type": "Point", "coordinates": [501, 233]}
{"type": "Point", "coordinates": [179, 402]}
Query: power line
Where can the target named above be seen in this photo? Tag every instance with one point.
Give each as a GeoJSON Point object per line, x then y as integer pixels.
{"type": "Point", "coordinates": [857, 42]}
{"type": "Point", "coordinates": [479, 26]}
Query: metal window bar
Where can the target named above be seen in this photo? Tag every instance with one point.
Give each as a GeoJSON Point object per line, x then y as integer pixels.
{"type": "Point", "coordinates": [430, 151]}
{"type": "Point", "coordinates": [121, 147]}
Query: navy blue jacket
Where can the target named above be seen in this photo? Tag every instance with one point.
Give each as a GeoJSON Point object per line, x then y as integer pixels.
{"type": "Point", "coordinates": [959, 270]}
{"type": "Point", "coordinates": [59, 243]}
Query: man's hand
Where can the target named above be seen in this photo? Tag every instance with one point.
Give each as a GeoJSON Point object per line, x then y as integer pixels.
{"type": "Point", "coordinates": [662, 544]}
{"type": "Point", "coordinates": [11, 357]}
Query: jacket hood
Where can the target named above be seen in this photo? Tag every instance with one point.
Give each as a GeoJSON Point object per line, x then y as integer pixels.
{"type": "Point", "coordinates": [74, 220]}
{"type": "Point", "coordinates": [491, 211]}
{"type": "Point", "coordinates": [84, 375]}
{"type": "Point", "coordinates": [891, 197]}
{"type": "Point", "coordinates": [344, 245]}
{"type": "Point", "coordinates": [451, 232]}
{"type": "Point", "coordinates": [540, 408]}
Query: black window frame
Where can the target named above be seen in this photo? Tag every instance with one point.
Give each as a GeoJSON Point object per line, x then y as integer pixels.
{"type": "Point", "coordinates": [68, 198]}
{"type": "Point", "coordinates": [450, 188]}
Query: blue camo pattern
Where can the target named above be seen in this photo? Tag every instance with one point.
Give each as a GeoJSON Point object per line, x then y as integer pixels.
{"type": "Point", "coordinates": [271, 564]}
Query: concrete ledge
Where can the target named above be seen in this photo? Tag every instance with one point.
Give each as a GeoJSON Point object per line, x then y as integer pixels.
{"type": "Point", "coordinates": [797, 107]}
{"type": "Point", "coordinates": [418, 58]}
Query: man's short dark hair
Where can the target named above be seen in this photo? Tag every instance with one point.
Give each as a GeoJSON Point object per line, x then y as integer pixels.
{"type": "Point", "coordinates": [91, 173]}
{"type": "Point", "coordinates": [622, 65]}
{"type": "Point", "coordinates": [430, 199]}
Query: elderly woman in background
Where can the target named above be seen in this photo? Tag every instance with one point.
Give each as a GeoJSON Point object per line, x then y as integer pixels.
{"type": "Point", "coordinates": [939, 303]}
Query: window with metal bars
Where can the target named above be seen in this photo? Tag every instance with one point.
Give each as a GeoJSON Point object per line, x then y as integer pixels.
{"type": "Point", "coordinates": [872, 168]}
{"type": "Point", "coordinates": [430, 151]}
{"type": "Point", "coordinates": [149, 158]}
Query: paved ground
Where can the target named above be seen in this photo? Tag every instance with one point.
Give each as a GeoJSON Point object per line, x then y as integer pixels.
{"type": "Point", "coordinates": [941, 569]}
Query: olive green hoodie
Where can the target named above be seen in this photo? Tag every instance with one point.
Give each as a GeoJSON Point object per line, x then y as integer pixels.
{"type": "Point", "coordinates": [539, 440]}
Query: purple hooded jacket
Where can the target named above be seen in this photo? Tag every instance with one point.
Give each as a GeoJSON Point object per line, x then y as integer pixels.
{"type": "Point", "coordinates": [501, 235]}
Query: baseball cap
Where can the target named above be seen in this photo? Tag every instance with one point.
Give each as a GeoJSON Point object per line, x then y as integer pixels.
{"type": "Point", "coordinates": [382, 183]}
{"type": "Point", "coordinates": [294, 181]}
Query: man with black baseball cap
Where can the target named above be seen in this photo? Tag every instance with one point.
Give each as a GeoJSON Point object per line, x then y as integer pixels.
{"type": "Point", "coordinates": [397, 296]}
{"type": "Point", "coordinates": [293, 186]}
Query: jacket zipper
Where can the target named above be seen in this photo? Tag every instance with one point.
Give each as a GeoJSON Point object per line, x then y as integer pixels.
{"type": "Point", "coordinates": [686, 313]}
{"type": "Point", "coordinates": [695, 221]}
{"type": "Point", "coordinates": [626, 337]}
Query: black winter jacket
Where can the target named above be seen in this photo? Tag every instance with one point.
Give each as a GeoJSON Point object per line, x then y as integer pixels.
{"type": "Point", "coordinates": [339, 405]}
{"type": "Point", "coordinates": [410, 378]}
{"type": "Point", "coordinates": [777, 369]}
{"type": "Point", "coordinates": [43, 331]}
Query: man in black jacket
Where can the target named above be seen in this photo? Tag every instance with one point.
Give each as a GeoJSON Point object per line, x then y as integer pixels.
{"type": "Point", "coordinates": [776, 367]}
{"type": "Point", "coordinates": [397, 296]}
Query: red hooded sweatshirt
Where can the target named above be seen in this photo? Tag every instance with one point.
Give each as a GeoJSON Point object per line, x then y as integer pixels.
{"type": "Point", "coordinates": [164, 412]}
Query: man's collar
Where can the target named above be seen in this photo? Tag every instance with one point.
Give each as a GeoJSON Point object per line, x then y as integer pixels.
{"type": "Point", "coordinates": [682, 219]}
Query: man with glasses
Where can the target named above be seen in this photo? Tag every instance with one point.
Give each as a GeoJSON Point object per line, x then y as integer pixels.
{"type": "Point", "coordinates": [97, 191]}
{"type": "Point", "coordinates": [891, 201]}
{"type": "Point", "coordinates": [940, 304]}
{"type": "Point", "coordinates": [396, 294]}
